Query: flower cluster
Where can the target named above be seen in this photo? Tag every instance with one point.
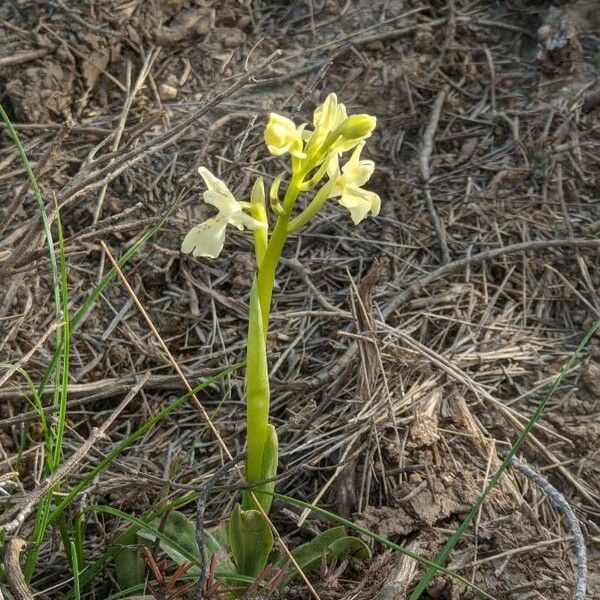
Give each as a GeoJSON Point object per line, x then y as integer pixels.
{"type": "Point", "coordinates": [315, 154]}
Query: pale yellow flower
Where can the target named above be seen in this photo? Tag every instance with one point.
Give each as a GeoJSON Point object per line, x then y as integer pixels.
{"type": "Point", "coordinates": [348, 186]}
{"type": "Point", "coordinates": [329, 115]}
{"type": "Point", "coordinates": [282, 136]}
{"type": "Point", "coordinates": [331, 119]}
{"type": "Point", "coordinates": [207, 238]}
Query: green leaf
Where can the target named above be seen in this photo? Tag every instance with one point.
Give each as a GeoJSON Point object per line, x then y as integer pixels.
{"type": "Point", "coordinates": [179, 527]}
{"type": "Point", "coordinates": [130, 569]}
{"type": "Point", "coordinates": [172, 539]}
{"type": "Point", "coordinates": [128, 441]}
{"type": "Point", "coordinates": [330, 544]}
{"type": "Point", "coordinates": [258, 192]}
{"type": "Point", "coordinates": [270, 458]}
{"type": "Point", "coordinates": [257, 390]}
{"type": "Point", "coordinates": [124, 539]}
{"type": "Point", "coordinates": [175, 526]}
{"type": "Point", "coordinates": [350, 545]}
{"type": "Point", "coordinates": [251, 541]}
{"type": "Point", "coordinates": [311, 552]}
{"type": "Point", "coordinates": [264, 493]}
{"type": "Point", "coordinates": [382, 540]}
{"type": "Point", "coordinates": [220, 535]}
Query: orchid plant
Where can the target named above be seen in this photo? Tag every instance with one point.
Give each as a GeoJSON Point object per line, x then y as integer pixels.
{"type": "Point", "coordinates": [325, 163]}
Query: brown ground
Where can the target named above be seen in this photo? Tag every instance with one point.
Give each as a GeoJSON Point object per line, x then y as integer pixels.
{"type": "Point", "coordinates": [446, 370]}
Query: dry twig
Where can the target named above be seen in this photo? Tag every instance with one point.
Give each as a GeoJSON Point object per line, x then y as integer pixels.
{"type": "Point", "coordinates": [424, 158]}
{"type": "Point", "coordinates": [558, 500]}
{"type": "Point", "coordinates": [14, 576]}
{"type": "Point", "coordinates": [422, 283]}
{"type": "Point", "coordinates": [93, 175]}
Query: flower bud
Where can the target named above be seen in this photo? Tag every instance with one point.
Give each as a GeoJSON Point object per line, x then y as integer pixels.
{"type": "Point", "coordinates": [258, 192]}
{"type": "Point", "coordinates": [357, 127]}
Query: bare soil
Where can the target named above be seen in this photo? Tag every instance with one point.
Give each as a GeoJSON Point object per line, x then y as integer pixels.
{"type": "Point", "coordinates": [406, 357]}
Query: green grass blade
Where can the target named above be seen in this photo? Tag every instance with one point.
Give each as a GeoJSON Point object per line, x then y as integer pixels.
{"type": "Point", "coordinates": [62, 389]}
{"type": "Point", "coordinates": [83, 311]}
{"type": "Point", "coordinates": [141, 431]}
{"type": "Point", "coordinates": [40, 204]}
{"type": "Point", "coordinates": [63, 380]}
{"type": "Point", "coordinates": [382, 540]}
{"type": "Point", "coordinates": [36, 403]}
{"type": "Point", "coordinates": [75, 569]}
{"type": "Point", "coordinates": [37, 535]}
{"type": "Point", "coordinates": [442, 556]}
{"type": "Point", "coordinates": [124, 539]}
{"type": "Point", "coordinates": [80, 315]}
{"type": "Point", "coordinates": [53, 435]}
{"type": "Point", "coordinates": [95, 568]}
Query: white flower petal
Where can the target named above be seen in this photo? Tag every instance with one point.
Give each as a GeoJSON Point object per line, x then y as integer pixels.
{"type": "Point", "coordinates": [333, 166]}
{"type": "Point", "coordinates": [218, 194]}
{"type": "Point", "coordinates": [361, 173]}
{"type": "Point", "coordinates": [281, 132]}
{"type": "Point", "coordinates": [206, 239]}
{"type": "Point", "coordinates": [356, 171]}
{"type": "Point", "coordinates": [189, 241]}
{"type": "Point", "coordinates": [333, 170]}
{"type": "Point", "coordinates": [225, 204]}
{"type": "Point", "coordinates": [282, 136]}
{"type": "Point", "coordinates": [375, 203]}
{"type": "Point", "coordinates": [213, 182]}
{"type": "Point", "coordinates": [344, 145]}
{"type": "Point", "coordinates": [242, 220]}
{"type": "Point", "coordinates": [278, 150]}
{"type": "Point", "coordinates": [329, 115]}
{"type": "Point", "coordinates": [359, 202]}
{"type": "Point", "coordinates": [354, 159]}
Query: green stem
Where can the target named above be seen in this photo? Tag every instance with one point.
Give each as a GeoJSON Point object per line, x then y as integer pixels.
{"type": "Point", "coordinates": [313, 208]}
{"type": "Point", "coordinates": [316, 178]}
{"type": "Point", "coordinates": [257, 372]}
{"type": "Point", "coordinates": [257, 390]}
{"type": "Point", "coordinates": [266, 273]}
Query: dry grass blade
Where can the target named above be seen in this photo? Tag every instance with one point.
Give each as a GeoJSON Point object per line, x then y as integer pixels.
{"type": "Point", "coordinates": [23, 360]}
{"type": "Point", "coordinates": [424, 158]}
{"type": "Point", "coordinates": [173, 362]}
